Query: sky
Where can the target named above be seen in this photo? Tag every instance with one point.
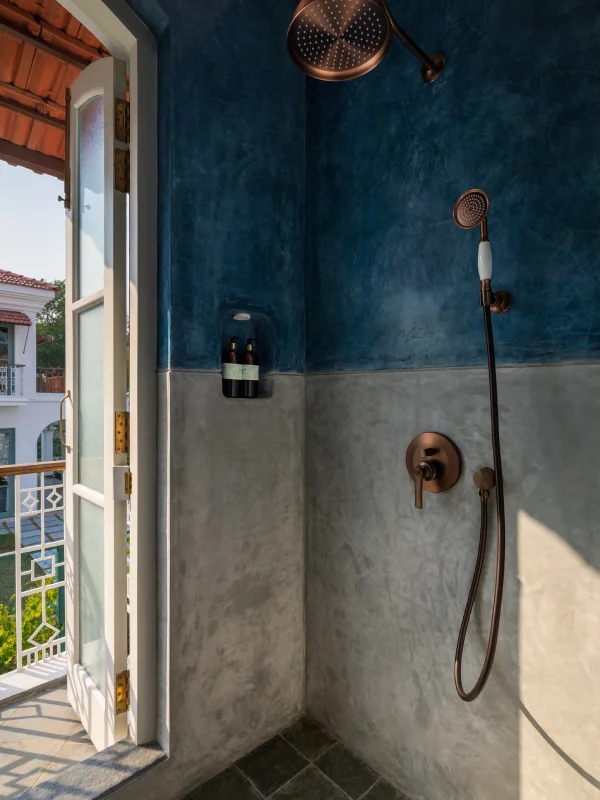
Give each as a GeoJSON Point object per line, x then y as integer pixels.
{"type": "Point", "coordinates": [32, 224]}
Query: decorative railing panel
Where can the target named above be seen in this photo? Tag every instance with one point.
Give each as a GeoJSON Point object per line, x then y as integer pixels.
{"type": "Point", "coordinates": [11, 379]}
{"type": "Point", "coordinates": [32, 567]}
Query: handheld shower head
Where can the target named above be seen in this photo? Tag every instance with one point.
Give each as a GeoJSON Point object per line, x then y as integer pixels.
{"type": "Point", "coordinates": [470, 211]}
{"type": "Point", "coordinates": [337, 40]}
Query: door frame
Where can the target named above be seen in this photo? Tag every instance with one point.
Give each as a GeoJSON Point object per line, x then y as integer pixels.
{"type": "Point", "coordinates": [126, 37]}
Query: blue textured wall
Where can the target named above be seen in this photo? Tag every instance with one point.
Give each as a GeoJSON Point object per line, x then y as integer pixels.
{"type": "Point", "coordinates": [231, 140]}
{"type": "Point", "coordinates": [391, 281]}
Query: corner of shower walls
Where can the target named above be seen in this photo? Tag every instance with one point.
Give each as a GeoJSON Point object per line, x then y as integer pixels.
{"type": "Point", "coordinates": [231, 573]}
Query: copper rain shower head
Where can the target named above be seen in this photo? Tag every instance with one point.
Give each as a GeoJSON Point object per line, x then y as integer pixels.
{"type": "Point", "coordinates": [337, 40]}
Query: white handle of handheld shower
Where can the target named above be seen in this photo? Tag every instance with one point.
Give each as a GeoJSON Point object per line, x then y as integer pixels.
{"type": "Point", "coordinates": [484, 261]}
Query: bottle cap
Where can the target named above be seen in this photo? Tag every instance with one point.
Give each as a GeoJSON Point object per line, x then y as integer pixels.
{"type": "Point", "coordinates": [233, 343]}
{"type": "Point", "coordinates": [250, 344]}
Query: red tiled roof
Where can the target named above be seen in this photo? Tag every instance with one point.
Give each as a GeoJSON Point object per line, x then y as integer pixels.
{"type": "Point", "coordinates": [14, 318]}
{"type": "Point", "coordinates": [21, 280]}
{"type": "Point", "coordinates": [42, 50]}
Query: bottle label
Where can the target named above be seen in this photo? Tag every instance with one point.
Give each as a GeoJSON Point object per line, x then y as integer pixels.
{"type": "Point", "coordinates": [250, 372]}
{"type": "Point", "coordinates": [233, 372]}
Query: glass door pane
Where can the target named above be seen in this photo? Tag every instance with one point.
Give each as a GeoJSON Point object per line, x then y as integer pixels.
{"type": "Point", "coordinates": [91, 196]}
{"type": "Point", "coordinates": [90, 446]}
{"type": "Point", "coordinates": [91, 591]}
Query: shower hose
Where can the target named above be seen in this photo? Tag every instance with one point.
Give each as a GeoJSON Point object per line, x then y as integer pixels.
{"type": "Point", "coordinates": [484, 494]}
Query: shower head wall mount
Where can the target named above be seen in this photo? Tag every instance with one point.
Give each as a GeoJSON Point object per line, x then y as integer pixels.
{"type": "Point", "coordinates": [337, 40]}
{"type": "Point", "coordinates": [470, 211]}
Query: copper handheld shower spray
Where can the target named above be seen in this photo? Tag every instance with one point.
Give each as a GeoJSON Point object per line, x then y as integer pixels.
{"type": "Point", "coordinates": [470, 211]}
{"type": "Point", "coordinates": [337, 40]}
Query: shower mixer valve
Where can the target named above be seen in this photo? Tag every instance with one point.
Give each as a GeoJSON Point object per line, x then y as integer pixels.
{"type": "Point", "coordinates": [433, 462]}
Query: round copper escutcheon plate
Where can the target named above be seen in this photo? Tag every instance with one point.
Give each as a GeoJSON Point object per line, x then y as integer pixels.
{"type": "Point", "coordinates": [442, 453]}
{"type": "Point", "coordinates": [501, 304]}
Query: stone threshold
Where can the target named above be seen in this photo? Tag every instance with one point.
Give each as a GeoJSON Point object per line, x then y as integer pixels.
{"type": "Point", "coordinates": [101, 774]}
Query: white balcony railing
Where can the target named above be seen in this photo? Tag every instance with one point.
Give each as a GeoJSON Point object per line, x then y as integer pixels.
{"type": "Point", "coordinates": [11, 380]}
{"type": "Point", "coordinates": [32, 565]}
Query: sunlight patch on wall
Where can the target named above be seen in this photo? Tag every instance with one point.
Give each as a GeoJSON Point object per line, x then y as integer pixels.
{"type": "Point", "coordinates": [559, 661]}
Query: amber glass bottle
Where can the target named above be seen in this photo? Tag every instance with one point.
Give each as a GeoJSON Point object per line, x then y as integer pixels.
{"type": "Point", "coordinates": [250, 366]}
{"type": "Point", "coordinates": [231, 369]}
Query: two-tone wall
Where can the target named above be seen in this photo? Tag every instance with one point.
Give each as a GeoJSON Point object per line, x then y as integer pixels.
{"type": "Point", "coordinates": [353, 257]}
{"type": "Point", "coordinates": [392, 324]}
{"type": "Point", "coordinates": [231, 485]}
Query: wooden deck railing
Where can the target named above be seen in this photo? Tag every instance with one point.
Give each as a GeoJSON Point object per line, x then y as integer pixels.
{"type": "Point", "coordinates": [31, 469]}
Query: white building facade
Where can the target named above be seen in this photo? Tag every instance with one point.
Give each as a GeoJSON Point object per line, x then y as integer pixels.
{"type": "Point", "coordinates": [29, 398]}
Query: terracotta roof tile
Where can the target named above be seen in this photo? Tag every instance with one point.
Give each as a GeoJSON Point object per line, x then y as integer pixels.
{"type": "Point", "coordinates": [22, 280]}
{"type": "Point", "coordinates": [35, 79]}
{"type": "Point", "coordinates": [14, 317]}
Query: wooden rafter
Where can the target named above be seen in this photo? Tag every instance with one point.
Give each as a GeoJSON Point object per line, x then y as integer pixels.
{"type": "Point", "coordinates": [43, 105]}
{"type": "Point", "coordinates": [32, 159]}
{"type": "Point", "coordinates": [32, 113]}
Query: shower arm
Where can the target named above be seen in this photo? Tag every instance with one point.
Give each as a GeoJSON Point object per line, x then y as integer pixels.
{"type": "Point", "coordinates": [414, 48]}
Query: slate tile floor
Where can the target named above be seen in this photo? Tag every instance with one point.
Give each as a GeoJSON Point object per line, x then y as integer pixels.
{"type": "Point", "coordinates": [304, 762]}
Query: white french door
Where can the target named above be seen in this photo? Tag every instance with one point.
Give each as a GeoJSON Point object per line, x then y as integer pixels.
{"type": "Point", "coordinates": [96, 504]}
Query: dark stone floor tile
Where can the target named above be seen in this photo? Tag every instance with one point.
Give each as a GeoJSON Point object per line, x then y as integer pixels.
{"type": "Point", "coordinates": [349, 772]}
{"type": "Point", "coordinates": [272, 764]}
{"type": "Point", "coordinates": [228, 785]}
{"type": "Point", "coordinates": [308, 737]}
{"type": "Point", "coordinates": [310, 785]}
{"type": "Point", "coordinates": [384, 791]}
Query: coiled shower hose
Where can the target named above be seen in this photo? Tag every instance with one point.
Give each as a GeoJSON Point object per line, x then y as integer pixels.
{"type": "Point", "coordinates": [484, 494]}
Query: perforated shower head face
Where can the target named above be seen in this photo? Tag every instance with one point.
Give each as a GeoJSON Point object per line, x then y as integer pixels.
{"type": "Point", "coordinates": [336, 40]}
{"type": "Point", "coordinates": [471, 208]}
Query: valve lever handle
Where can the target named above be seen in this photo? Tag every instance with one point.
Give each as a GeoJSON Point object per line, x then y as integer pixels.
{"type": "Point", "coordinates": [418, 488]}
{"type": "Point", "coordinates": [425, 471]}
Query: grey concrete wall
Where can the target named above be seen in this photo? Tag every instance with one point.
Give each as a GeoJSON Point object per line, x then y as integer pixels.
{"type": "Point", "coordinates": [387, 583]}
{"type": "Point", "coordinates": [231, 568]}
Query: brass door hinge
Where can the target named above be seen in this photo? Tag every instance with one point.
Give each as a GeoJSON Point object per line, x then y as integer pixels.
{"type": "Point", "coordinates": [121, 170]}
{"type": "Point", "coordinates": [121, 432]}
{"type": "Point", "coordinates": [122, 693]}
{"type": "Point", "coordinates": [128, 483]}
{"type": "Point", "coordinates": [122, 121]}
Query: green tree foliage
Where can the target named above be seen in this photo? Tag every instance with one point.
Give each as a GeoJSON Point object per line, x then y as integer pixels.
{"type": "Point", "coordinates": [51, 324]}
{"type": "Point", "coordinates": [32, 618]}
